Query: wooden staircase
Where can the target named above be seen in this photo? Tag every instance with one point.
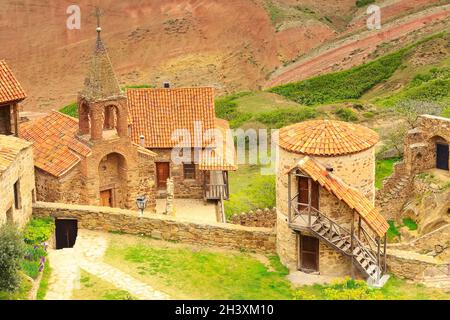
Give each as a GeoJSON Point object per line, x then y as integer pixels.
{"type": "Point", "coordinates": [341, 240]}
{"type": "Point", "coordinates": [360, 247]}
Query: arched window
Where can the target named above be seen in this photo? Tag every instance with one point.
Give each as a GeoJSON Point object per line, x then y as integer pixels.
{"type": "Point", "coordinates": [110, 117]}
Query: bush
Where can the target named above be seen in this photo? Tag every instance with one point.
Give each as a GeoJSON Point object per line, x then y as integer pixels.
{"type": "Point", "coordinates": [280, 118]}
{"type": "Point", "coordinates": [343, 85]}
{"type": "Point", "coordinates": [350, 289]}
{"type": "Point", "coordinates": [363, 3]}
{"type": "Point", "coordinates": [11, 253]}
{"type": "Point", "coordinates": [346, 114]}
{"type": "Point", "coordinates": [39, 230]}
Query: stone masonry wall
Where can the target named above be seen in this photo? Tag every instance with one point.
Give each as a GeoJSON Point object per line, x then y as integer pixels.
{"type": "Point", "coordinates": [266, 218]}
{"type": "Point", "coordinates": [21, 170]}
{"type": "Point", "coordinates": [184, 188]}
{"type": "Point", "coordinates": [162, 227]}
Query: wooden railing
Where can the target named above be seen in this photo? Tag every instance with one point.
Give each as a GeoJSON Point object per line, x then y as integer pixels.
{"type": "Point", "coordinates": [307, 214]}
{"type": "Point", "coordinates": [216, 192]}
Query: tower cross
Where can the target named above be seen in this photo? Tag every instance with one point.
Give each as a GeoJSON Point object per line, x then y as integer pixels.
{"type": "Point", "coordinates": [97, 13]}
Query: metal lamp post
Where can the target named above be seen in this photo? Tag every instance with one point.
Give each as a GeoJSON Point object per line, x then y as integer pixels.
{"type": "Point", "coordinates": [141, 203]}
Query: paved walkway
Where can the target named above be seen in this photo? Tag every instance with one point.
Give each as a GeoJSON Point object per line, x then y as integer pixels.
{"type": "Point", "coordinates": [87, 254]}
{"type": "Point", "coordinates": [190, 209]}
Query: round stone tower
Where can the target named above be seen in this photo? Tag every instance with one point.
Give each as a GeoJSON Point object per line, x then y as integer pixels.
{"type": "Point", "coordinates": [347, 151]}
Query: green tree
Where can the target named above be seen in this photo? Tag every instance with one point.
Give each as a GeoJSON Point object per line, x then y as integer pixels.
{"type": "Point", "coordinates": [11, 253]}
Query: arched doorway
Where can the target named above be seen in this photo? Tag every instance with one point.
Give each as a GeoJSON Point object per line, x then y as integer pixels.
{"type": "Point", "coordinates": [112, 172]}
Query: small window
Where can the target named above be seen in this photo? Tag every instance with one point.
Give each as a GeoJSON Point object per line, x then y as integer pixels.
{"type": "Point", "coordinates": [17, 199]}
{"type": "Point", "coordinates": [189, 170]}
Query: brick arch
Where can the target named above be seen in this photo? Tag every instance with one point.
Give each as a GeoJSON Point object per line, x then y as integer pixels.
{"type": "Point", "coordinates": [113, 178]}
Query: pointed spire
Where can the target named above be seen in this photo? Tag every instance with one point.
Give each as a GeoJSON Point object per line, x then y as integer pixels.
{"type": "Point", "coordinates": [101, 82]}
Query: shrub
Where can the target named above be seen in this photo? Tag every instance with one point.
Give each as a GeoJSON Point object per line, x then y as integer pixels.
{"type": "Point", "coordinates": [350, 289]}
{"type": "Point", "coordinates": [343, 85]}
{"type": "Point", "coordinates": [346, 114]}
{"type": "Point", "coordinates": [363, 3]}
{"type": "Point", "coordinates": [410, 224]}
{"type": "Point", "coordinates": [39, 230]}
{"type": "Point", "coordinates": [283, 117]}
{"type": "Point", "coordinates": [392, 232]}
{"type": "Point", "coordinates": [11, 252]}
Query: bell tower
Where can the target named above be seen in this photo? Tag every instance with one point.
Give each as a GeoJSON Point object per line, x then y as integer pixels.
{"type": "Point", "coordinates": [102, 106]}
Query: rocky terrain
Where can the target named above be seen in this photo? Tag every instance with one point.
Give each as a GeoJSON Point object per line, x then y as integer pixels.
{"type": "Point", "coordinates": [233, 45]}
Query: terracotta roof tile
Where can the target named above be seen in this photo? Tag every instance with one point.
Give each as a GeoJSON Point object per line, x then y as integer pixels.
{"type": "Point", "coordinates": [352, 197]}
{"type": "Point", "coordinates": [326, 138]}
{"type": "Point", "coordinates": [221, 159]}
{"type": "Point", "coordinates": [56, 149]}
{"type": "Point", "coordinates": [10, 88]}
{"type": "Point", "coordinates": [10, 147]}
{"type": "Point", "coordinates": [157, 113]}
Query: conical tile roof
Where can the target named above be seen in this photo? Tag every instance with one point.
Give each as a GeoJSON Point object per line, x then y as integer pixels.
{"type": "Point", "coordinates": [101, 82]}
{"type": "Point", "coordinates": [327, 138]}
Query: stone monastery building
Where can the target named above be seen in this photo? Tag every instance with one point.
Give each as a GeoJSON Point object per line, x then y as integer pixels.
{"type": "Point", "coordinates": [17, 191]}
{"type": "Point", "coordinates": [325, 200]}
{"type": "Point", "coordinates": [120, 148]}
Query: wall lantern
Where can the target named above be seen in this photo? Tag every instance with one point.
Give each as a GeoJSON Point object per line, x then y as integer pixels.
{"type": "Point", "coordinates": [141, 203]}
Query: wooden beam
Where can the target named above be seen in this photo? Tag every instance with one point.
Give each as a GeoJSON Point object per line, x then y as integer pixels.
{"type": "Point", "coordinates": [385, 254]}
{"type": "Point", "coordinates": [289, 197]}
{"type": "Point", "coordinates": [309, 201]}
{"type": "Point", "coordinates": [352, 233]}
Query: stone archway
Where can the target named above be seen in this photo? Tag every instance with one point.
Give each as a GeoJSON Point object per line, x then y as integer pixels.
{"type": "Point", "coordinates": [113, 177]}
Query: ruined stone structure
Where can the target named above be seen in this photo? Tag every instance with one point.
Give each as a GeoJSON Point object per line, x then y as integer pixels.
{"type": "Point", "coordinates": [326, 219]}
{"type": "Point", "coordinates": [426, 147]}
{"type": "Point", "coordinates": [92, 160]}
{"type": "Point", "coordinates": [17, 190]}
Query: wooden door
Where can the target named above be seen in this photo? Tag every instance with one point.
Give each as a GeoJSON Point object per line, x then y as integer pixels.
{"type": "Point", "coordinates": [309, 254]}
{"type": "Point", "coordinates": [106, 198]}
{"type": "Point", "coordinates": [303, 192]}
{"type": "Point", "coordinates": [162, 174]}
{"type": "Point", "coordinates": [66, 233]}
{"type": "Point", "coordinates": [442, 156]}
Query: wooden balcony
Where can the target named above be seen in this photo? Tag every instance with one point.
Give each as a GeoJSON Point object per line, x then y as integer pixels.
{"type": "Point", "coordinates": [216, 192]}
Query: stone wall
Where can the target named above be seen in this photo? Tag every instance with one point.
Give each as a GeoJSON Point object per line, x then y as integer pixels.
{"type": "Point", "coordinates": [266, 218]}
{"type": "Point", "coordinates": [21, 170]}
{"type": "Point", "coordinates": [184, 188]}
{"type": "Point", "coordinates": [162, 227]}
{"type": "Point", "coordinates": [416, 267]}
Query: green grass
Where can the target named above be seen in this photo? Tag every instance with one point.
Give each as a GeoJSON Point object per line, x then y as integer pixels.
{"type": "Point", "coordinates": [343, 85]}
{"type": "Point", "coordinates": [187, 272]}
{"type": "Point", "coordinates": [384, 168]}
{"type": "Point", "coordinates": [410, 224]}
{"type": "Point", "coordinates": [346, 114]}
{"type": "Point", "coordinates": [70, 110]}
{"type": "Point", "coordinates": [393, 231]}
{"type": "Point", "coordinates": [94, 288]}
{"type": "Point", "coordinates": [203, 274]}
{"type": "Point", "coordinates": [394, 289]}
{"type": "Point", "coordinates": [43, 285]}
{"type": "Point", "coordinates": [38, 230]}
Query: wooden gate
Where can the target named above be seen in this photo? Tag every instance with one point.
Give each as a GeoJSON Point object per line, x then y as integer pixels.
{"type": "Point", "coordinates": [442, 156]}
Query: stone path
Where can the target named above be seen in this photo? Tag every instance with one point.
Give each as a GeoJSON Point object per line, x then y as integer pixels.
{"type": "Point", "coordinates": [87, 254]}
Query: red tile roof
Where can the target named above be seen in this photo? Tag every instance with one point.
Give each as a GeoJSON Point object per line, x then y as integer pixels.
{"type": "Point", "coordinates": [220, 159]}
{"type": "Point", "coordinates": [327, 138]}
{"type": "Point", "coordinates": [56, 149]}
{"type": "Point", "coordinates": [352, 197]}
{"type": "Point", "coordinates": [10, 88]}
{"type": "Point", "coordinates": [10, 148]}
{"type": "Point", "coordinates": [157, 113]}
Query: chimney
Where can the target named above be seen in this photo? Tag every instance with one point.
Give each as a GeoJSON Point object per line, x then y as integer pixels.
{"type": "Point", "coordinates": [166, 84]}
{"type": "Point", "coordinates": [142, 140]}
